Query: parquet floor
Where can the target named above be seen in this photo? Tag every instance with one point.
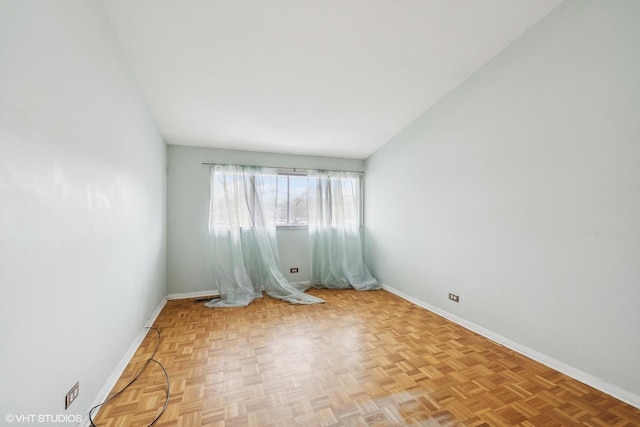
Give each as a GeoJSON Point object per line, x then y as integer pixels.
{"type": "Point", "coordinates": [360, 359]}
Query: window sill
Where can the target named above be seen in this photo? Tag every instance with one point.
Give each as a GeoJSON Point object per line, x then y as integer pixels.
{"type": "Point", "coordinates": [291, 227]}
{"type": "Point", "coordinates": [301, 227]}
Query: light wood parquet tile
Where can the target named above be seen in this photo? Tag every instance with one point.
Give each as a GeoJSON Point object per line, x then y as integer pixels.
{"type": "Point", "coordinates": [360, 359]}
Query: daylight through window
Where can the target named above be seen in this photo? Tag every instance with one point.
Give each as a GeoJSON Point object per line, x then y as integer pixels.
{"type": "Point", "coordinates": [292, 199]}
{"type": "Point", "coordinates": [291, 207]}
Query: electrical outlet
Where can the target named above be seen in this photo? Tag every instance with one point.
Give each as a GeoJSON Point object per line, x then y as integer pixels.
{"type": "Point", "coordinates": [71, 395]}
{"type": "Point", "coordinates": [293, 270]}
{"type": "Point", "coordinates": [453, 297]}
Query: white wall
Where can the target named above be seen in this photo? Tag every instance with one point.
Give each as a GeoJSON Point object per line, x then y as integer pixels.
{"type": "Point", "coordinates": [188, 265]}
{"type": "Point", "coordinates": [82, 205]}
{"type": "Point", "coordinates": [520, 192]}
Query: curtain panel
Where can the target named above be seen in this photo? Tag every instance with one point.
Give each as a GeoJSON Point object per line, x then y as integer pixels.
{"type": "Point", "coordinates": [242, 231]}
{"type": "Point", "coordinates": [335, 242]}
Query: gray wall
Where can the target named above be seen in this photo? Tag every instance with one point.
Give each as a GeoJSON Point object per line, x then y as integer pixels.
{"type": "Point", "coordinates": [520, 192]}
{"type": "Point", "coordinates": [188, 265]}
{"type": "Point", "coordinates": [82, 205]}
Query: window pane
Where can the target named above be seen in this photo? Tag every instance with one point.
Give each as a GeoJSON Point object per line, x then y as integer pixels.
{"type": "Point", "coordinates": [282, 204]}
{"type": "Point", "coordinates": [291, 206]}
{"type": "Point", "coordinates": [351, 200]}
{"type": "Point", "coordinates": [298, 214]}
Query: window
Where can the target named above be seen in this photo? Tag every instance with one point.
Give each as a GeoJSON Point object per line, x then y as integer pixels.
{"type": "Point", "coordinates": [289, 190]}
{"type": "Point", "coordinates": [291, 208]}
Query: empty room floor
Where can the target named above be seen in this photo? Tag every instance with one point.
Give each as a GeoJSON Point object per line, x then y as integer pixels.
{"type": "Point", "coordinates": [360, 359]}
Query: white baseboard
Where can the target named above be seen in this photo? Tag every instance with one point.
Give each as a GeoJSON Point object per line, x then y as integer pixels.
{"type": "Point", "coordinates": [588, 379]}
{"type": "Point", "coordinates": [104, 392]}
{"type": "Point", "coordinates": [210, 293]}
{"type": "Point", "coordinates": [196, 294]}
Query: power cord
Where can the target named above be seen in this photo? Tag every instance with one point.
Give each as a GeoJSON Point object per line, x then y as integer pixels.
{"type": "Point", "coordinates": [149, 360]}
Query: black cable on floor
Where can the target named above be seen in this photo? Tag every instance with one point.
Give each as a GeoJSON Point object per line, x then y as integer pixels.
{"type": "Point", "coordinates": [149, 360]}
{"type": "Point", "coordinates": [166, 402]}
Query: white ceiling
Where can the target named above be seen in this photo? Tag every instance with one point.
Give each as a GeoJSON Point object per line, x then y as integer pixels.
{"type": "Point", "coordinates": [319, 77]}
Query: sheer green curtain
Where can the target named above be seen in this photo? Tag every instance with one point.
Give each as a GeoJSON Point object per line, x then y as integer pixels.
{"type": "Point", "coordinates": [334, 231]}
{"type": "Point", "coordinates": [242, 230]}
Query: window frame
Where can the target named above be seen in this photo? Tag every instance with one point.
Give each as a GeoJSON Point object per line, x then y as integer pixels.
{"type": "Point", "coordinates": [297, 172]}
{"type": "Point", "coordinates": [289, 173]}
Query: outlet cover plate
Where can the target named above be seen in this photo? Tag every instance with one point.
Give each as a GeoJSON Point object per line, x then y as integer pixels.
{"type": "Point", "coordinates": [72, 395]}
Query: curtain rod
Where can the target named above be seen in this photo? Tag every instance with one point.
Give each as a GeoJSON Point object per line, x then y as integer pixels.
{"type": "Point", "coordinates": [286, 168]}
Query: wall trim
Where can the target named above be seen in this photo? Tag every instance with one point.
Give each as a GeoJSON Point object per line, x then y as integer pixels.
{"type": "Point", "coordinates": [115, 376]}
{"type": "Point", "coordinates": [588, 379]}
{"type": "Point", "coordinates": [195, 294]}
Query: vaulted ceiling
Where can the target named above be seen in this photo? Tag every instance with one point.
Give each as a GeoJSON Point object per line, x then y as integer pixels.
{"type": "Point", "coordinates": [320, 77]}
